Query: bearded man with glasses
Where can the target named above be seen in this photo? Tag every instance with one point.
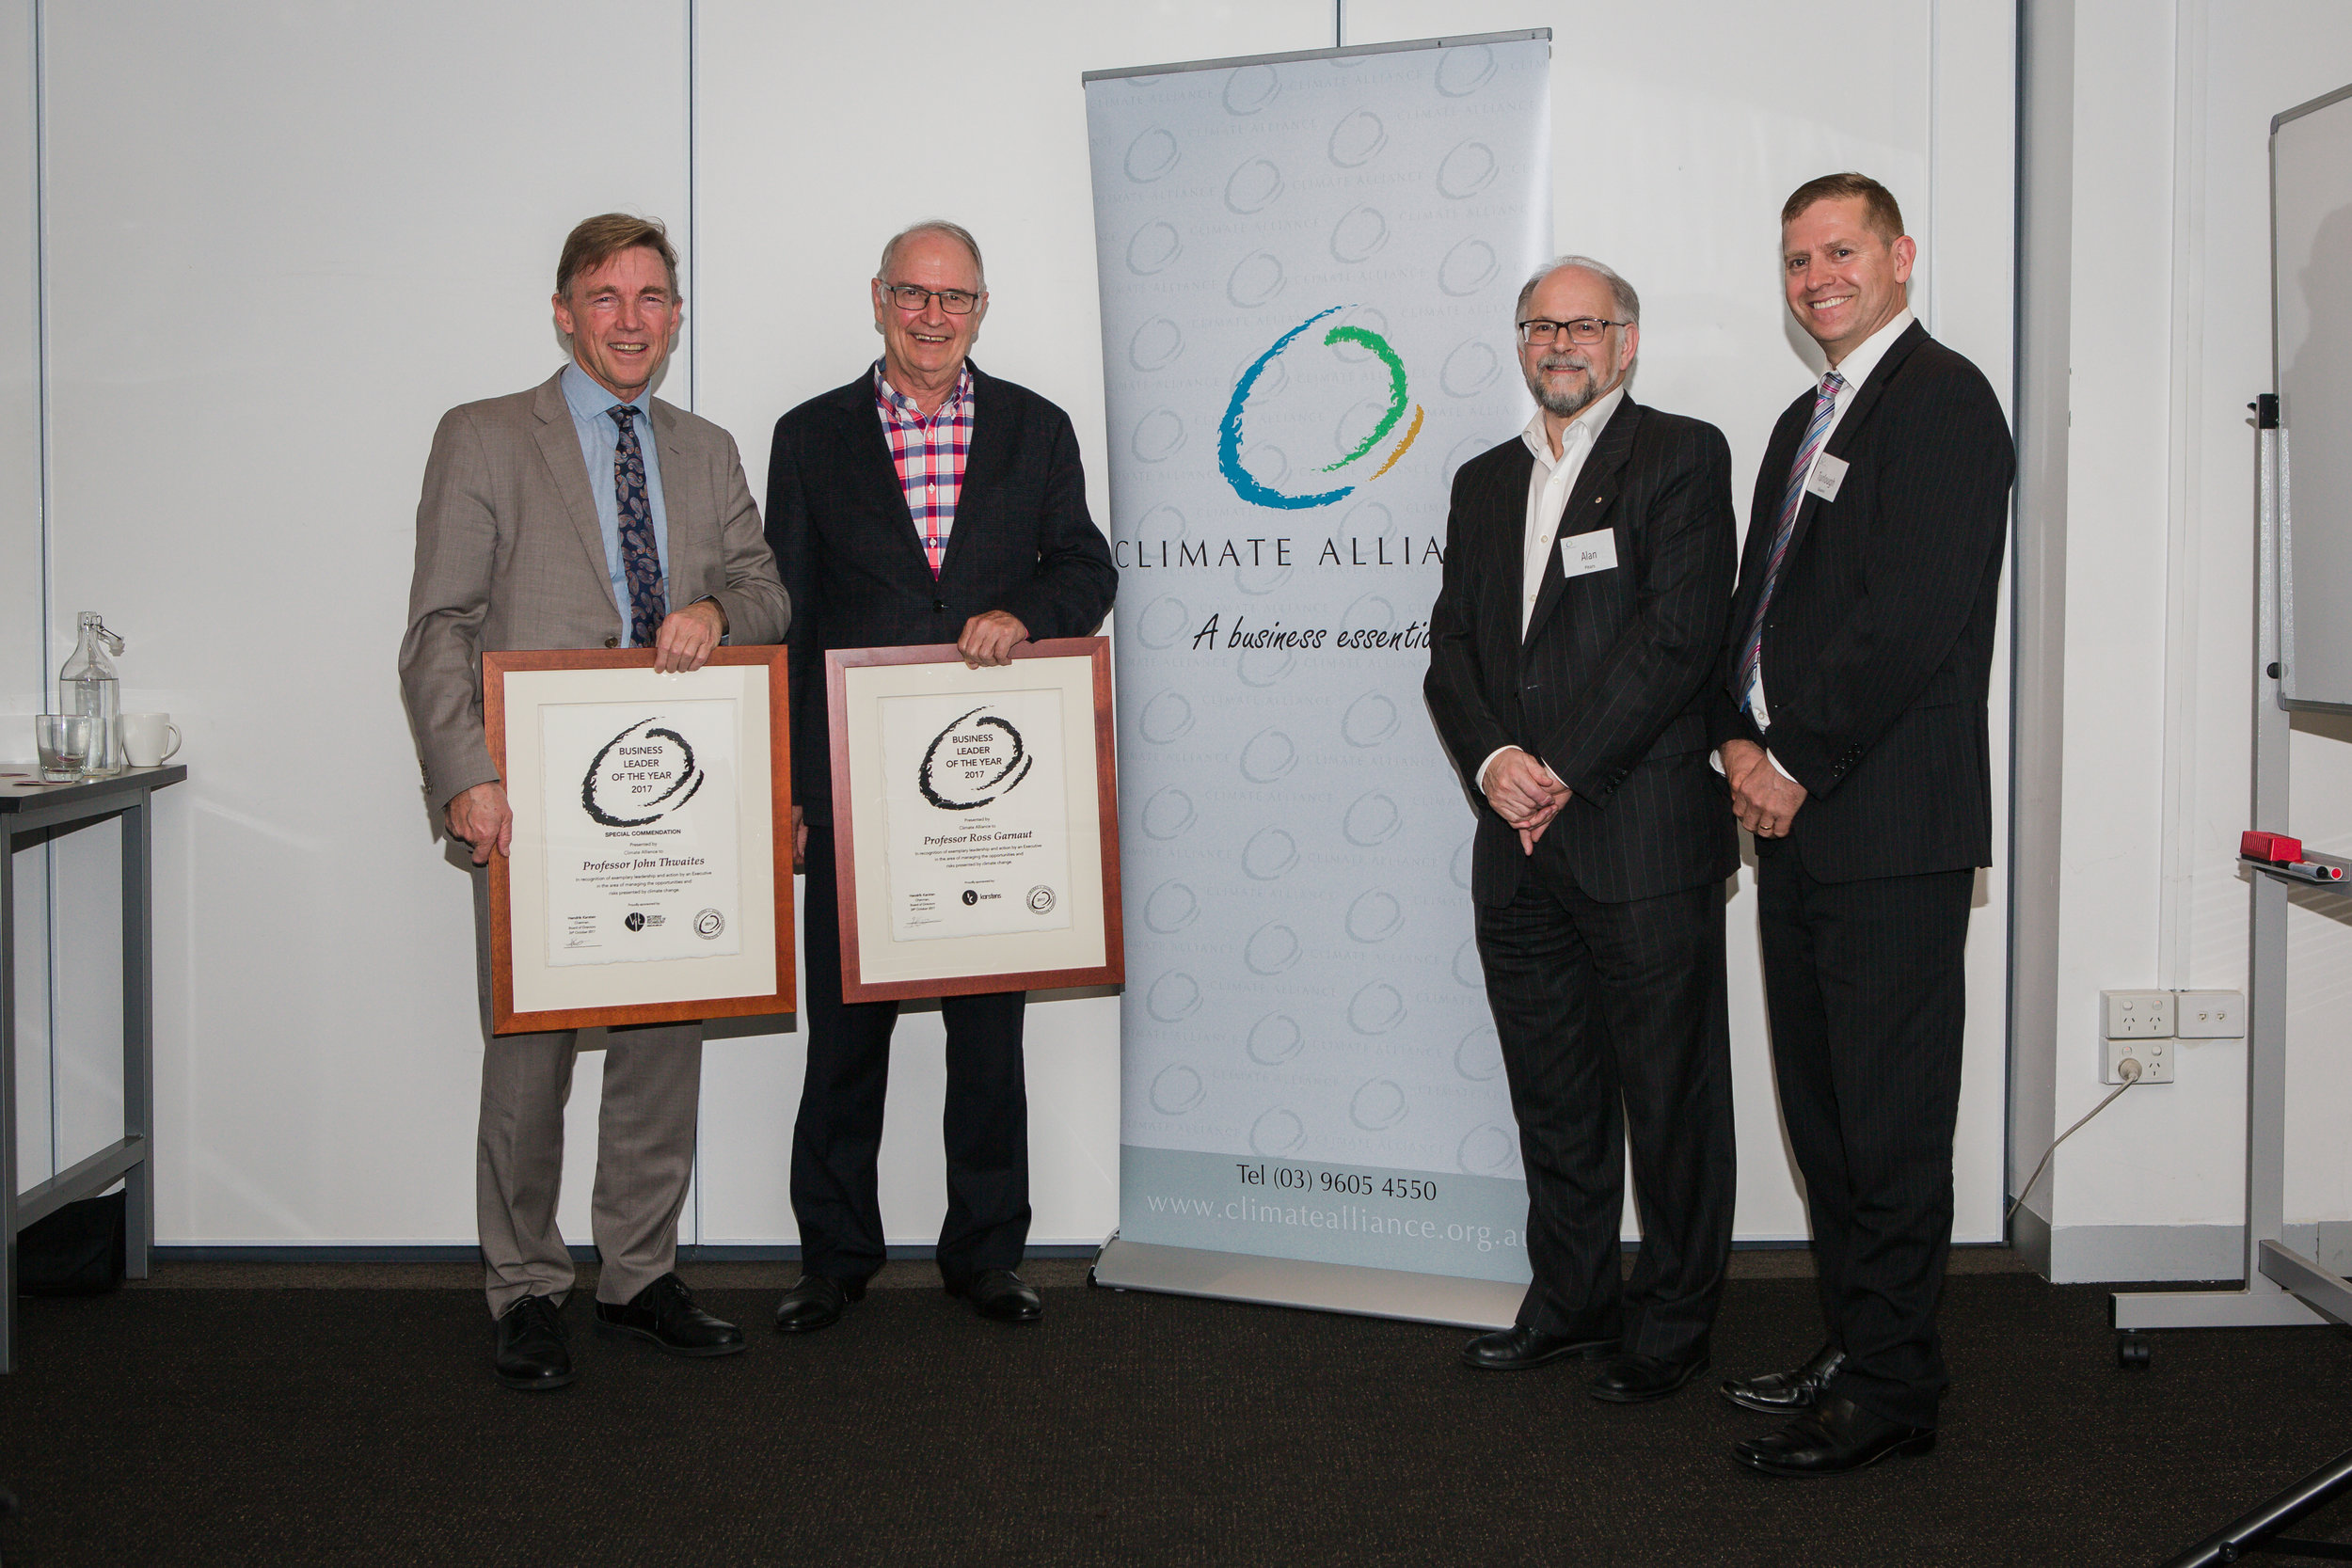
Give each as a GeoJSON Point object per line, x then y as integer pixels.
{"type": "Point", "coordinates": [924, 502]}
{"type": "Point", "coordinates": [1588, 569]}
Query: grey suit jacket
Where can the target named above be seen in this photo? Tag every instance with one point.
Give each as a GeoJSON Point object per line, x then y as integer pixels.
{"type": "Point", "coordinates": [509, 556]}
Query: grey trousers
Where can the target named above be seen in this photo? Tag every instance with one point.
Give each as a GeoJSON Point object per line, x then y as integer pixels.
{"type": "Point", "coordinates": [644, 1151]}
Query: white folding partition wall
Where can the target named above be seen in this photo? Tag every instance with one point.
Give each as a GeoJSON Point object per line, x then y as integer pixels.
{"type": "Point", "coordinates": [23, 653]}
{"type": "Point", "coordinates": [283, 240]}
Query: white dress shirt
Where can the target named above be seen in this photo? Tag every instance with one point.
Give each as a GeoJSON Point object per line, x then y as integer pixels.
{"type": "Point", "coordinates": [1548, 485]}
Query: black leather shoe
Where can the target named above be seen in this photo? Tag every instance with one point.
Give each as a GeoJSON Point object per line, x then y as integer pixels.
{"type": "Point", "coordinates": [530, 1352]}
{"type": "Point", "coordinates": [1517, 1348]}
{"type": "Point", "coordinates": [817, 1301]}
{"type": "Point", "coordinates": [1000, 1294]}
{"type": "Point", "coordinates": [1834, 1437]}
{"type": "Point", "coordinates": [1785, 1393]}
{"type": "Point", "coordinates": [1635, 1379]}
{"type": "Point", "coordinates": [664, 1314]}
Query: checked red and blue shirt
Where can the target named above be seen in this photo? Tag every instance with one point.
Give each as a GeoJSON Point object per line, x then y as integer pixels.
{"type": "Point", "coordinates": [930, 455]}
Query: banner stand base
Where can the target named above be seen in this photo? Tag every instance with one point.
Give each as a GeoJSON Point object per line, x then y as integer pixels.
{"type": "Point", "coordinates": [1427, 1298]}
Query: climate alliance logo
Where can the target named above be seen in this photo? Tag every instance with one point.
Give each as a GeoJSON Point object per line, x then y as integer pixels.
{"type": "Point", "coordinates": [1228, 433]}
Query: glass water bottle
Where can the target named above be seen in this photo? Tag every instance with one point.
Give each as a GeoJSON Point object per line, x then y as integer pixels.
{"type": "Point", "coordinates": [86, 685]}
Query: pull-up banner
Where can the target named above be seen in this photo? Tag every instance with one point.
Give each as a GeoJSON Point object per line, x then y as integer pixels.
{"type": "Point", "coordinates": [1309, 265]}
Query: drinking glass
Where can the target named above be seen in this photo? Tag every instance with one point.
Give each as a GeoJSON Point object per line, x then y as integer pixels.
{"type": "Point", "coordinates": [63, 740]}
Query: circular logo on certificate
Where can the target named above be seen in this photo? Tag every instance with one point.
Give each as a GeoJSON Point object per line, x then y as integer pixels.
{"type": "Point", "coordinates": [970, 897]}
{"type": "Point", "coordinates": [641, 776]}
{"type": "Point", "coordinates": [636, 921]}
{"type": "Point", "coordinates": [709, 924]}
{"type": "Point", "coordinates": [973, 761]}
{"type": "Point", "coordinates": [1040, 900]}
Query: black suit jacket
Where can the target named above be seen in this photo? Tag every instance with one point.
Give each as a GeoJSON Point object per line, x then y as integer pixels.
{"type": "Point", "coordinates": [1878, 645]}
{"type": "Point", "coordinates": [1610, 686]}
{"type": "Point", "coordinates": [1023, 542]}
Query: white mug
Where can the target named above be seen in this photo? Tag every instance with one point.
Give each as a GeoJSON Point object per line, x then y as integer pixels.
{"type": "Point", "coordinates": [143, 735]}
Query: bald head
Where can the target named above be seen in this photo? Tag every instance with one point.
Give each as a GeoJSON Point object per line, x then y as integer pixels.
{"type": "Point", "coordinates": [1624, 303]}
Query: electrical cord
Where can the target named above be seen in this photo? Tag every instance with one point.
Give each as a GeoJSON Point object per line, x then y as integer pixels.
{"type": "Point", "coordinates": [2131, 1071]}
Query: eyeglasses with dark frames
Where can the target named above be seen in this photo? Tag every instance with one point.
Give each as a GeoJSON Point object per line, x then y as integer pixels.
{"type": "Point", "coordinates": [955, 302]}
{"type": "Point", "coordinates": [1584, 331]}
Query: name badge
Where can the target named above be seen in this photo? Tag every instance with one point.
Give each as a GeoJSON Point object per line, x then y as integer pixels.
{"type": "Point", "coordinates": [1828, 474]}
{"type": "Point", "coordinates": [1596, 551]}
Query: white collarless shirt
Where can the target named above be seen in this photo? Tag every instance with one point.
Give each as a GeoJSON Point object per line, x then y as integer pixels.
{"type": "Point", "coordinates": [1548, 485]}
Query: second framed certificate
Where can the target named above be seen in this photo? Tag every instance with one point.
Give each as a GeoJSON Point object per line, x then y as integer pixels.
{"type": "Point", "coordinates": [976, 816]}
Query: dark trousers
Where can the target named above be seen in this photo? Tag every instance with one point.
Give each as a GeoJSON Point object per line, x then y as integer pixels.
{"type": "Point", "coordinates": [837, 1137]}
{"type": "Point", "coordinates": [1865, 989]}
{"type": "Point", "coordinates": [1614, 1030]}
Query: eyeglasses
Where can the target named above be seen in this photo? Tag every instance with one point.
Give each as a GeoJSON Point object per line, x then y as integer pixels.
{"type": "Point", "coordinates": [955, 302]}
{"type": "Point", "coordinates": [1584, 330]}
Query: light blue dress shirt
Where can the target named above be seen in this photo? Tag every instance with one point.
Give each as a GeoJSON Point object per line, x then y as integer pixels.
{"type": "Point", "coordinates": [600, 443]}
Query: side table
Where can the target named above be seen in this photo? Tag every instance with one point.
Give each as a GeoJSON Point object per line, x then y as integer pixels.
{"type": "Point", "coordinates": [30, 809]}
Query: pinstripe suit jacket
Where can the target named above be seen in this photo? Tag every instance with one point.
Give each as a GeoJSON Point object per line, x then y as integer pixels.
{"type": "Point", "coordinates": [1879, 641]}
{"type": "Point", "coordinates": [1609, 683]}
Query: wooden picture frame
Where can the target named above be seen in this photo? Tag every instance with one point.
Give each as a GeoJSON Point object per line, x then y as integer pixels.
{"type": "Point", "coordinates": [558, 957]}
{"type": "Point", "coordinates": [890, 949]}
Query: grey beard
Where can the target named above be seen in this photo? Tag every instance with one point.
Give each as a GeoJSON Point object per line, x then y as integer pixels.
{"type": "Point", "coordinates": [1564, 405]}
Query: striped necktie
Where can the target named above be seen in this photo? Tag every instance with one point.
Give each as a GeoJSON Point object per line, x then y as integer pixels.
{"type": "Point", "coordinates": [641, 560]}
{"type": "Point", "coordinates": [1825, 405]}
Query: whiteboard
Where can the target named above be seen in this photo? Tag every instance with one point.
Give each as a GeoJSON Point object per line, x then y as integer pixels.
{"type": "Point", "coordinates": [2311, 293]}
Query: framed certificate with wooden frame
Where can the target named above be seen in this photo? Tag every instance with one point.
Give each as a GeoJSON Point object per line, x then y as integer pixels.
{"type": "Point", "coordinates": [650, 879]}
{"type": "Point", "coordinates": [976, 820]}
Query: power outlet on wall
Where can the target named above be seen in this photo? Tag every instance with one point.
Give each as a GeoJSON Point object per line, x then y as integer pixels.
{"type": "Point", "coordinates": [2155, 1057]}
{"type": "Point", "coordinates": [2136, 1015]}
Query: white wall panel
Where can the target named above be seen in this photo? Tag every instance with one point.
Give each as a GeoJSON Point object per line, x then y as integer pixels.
{"type": "Point", "coordinates": [814, 143]}
{"type": "Point", "coordinates": [1681, 128]}
{"type": "Point", "coordinates": [20, 649]}
{"type": "Point", "coordinates": [283, 239]}
{"type": "Point", "coordinates": [2172, 341]}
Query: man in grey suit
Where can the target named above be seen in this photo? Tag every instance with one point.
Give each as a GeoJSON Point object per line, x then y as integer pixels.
{"type": "Point", "coordinates": [550, 520]}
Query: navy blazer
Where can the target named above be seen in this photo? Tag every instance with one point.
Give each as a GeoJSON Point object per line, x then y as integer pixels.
{"type": "Point", "coordinates": [1878, 645]}
{"type": "Point", "coordinates": [1023, 542]}
{"type": "Point", "coordinates": [1609, 683]}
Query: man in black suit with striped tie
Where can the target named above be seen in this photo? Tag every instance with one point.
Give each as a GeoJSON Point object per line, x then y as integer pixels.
{"type": "Point", "coordinates": [1588, 569]}
{"type": "Point", "coordinates": [1851, 717]}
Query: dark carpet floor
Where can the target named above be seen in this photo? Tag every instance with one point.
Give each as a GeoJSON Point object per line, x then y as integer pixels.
{"type": "Point", "coordinates": [298, 1425]}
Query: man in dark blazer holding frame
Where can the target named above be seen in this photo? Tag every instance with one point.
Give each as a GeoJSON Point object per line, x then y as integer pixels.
{"type": "Point", "coordinates": [925, 502]}
{"type": "Point", "coordinates": [1851, 717]}
{"type": "Point", "coordinates": [1588, 567]}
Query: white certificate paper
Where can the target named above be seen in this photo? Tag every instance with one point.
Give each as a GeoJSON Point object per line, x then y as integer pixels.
{"type": "Point", "coordinates": [975, 799]}
{"type": "Point", "coordinates": [642, 831]}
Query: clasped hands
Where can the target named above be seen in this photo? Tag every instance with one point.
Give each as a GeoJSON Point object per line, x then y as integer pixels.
{"type": "Point", "coordinates": [1762, 797]}
{"type": "Point", "coordinates": [1524, 793]}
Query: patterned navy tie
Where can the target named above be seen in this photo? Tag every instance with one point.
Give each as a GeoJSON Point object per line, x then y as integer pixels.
{"type": "Point", "coordinates": [641, 559]}
{"type": "Point", "coordinates": [1824, 404]}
